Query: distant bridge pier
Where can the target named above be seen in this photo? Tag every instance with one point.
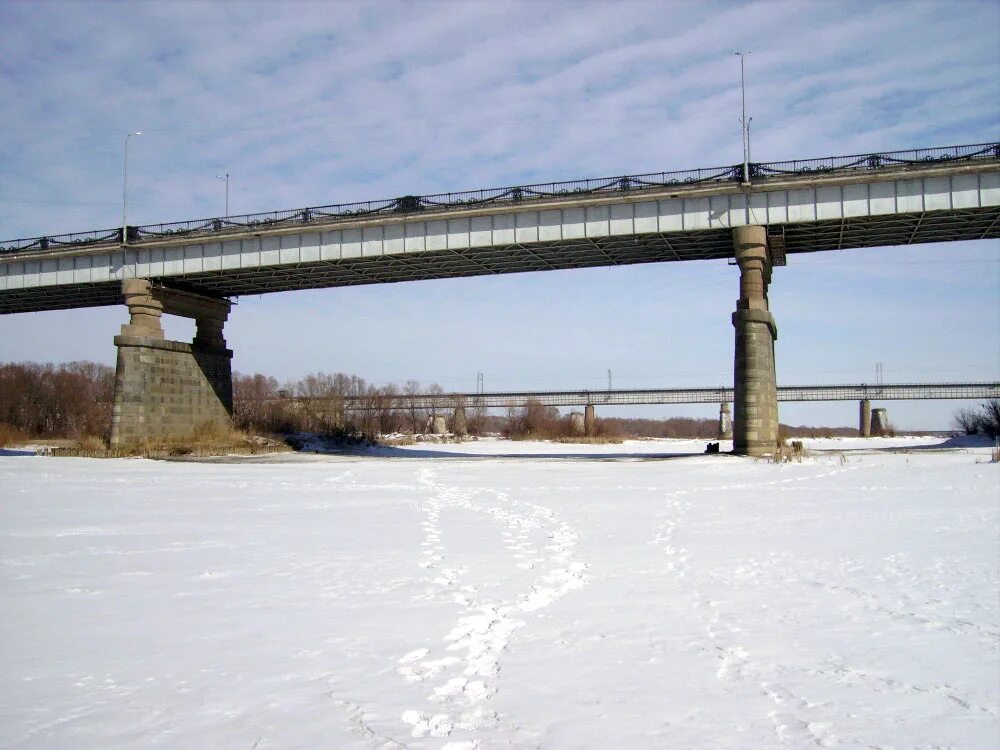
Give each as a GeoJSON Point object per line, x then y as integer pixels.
{"type": "Point", "coordinates": [755, 422]}
{"type": "Point", "coordinates": [725, 422]}
{"type": "Point", "coordinates": [168, 389]}
{"type": "Point", "coordinates": [437, 425]}
{"type": "Point", "coordinates": [880, 422]}
{"type": "Point", "coordinates": [589, 420]}
{"type": "Point", "coordinates": [865, 418]}
{"type": "Point", "coordinates": [459, 426]}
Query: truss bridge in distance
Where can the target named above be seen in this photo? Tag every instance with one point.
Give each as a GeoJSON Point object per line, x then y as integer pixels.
{"type": "Point", "coordinates": [652, 396]}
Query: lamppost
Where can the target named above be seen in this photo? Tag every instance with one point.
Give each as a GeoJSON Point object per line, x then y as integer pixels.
{"type": "Point", "coordinates": [125, 189]}
{"type": "Point", "coordinates": [744, 121]}
{"type": "Point", "coordinates": [226, 178]}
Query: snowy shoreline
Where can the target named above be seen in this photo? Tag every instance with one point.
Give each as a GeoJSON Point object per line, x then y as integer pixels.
{"type": "Point", "coordinates": [591, 599]}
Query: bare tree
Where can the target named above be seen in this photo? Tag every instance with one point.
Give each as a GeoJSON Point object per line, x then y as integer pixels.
{"type": "Point", "coordinates": [418, 417]}
{"type": "Point", "coordinates": [966, 421]}
{"type": "Point", "coordinates": [254, 401]}
{"type": "Point", "coordinates": [990, 418]}
{"type": "Point", "coordinates": [71, 400]}
{"type": "Point", "coordinates": [434, 390]}
{"type": "Point", "coordinates": [533, 420]}
{"type": "Point", "coordinates": [389, 418]}
{"type": "Point", "coordinates": [475, 420]}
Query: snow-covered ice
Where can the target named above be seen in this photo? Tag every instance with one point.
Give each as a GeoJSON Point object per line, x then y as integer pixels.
{"type": "Point", "coordinates": [504, 595]}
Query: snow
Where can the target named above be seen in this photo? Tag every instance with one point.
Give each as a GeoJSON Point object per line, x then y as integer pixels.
{"type": "Point", "coordinates": [495, 594]}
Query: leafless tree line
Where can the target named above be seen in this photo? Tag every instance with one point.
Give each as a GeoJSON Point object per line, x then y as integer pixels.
{"type": "Point", "coordinates": [44, 400]}
{"type": "Point", "coordinates": [317, 403]}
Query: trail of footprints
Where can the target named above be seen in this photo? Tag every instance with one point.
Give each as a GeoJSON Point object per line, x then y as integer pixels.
{"type": "Point", "coordinates": [464, 677]}
{"type": "Point", "coordinates": [797, 721]}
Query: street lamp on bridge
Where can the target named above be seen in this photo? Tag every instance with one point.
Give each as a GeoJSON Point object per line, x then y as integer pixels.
{"type": "Point", "coordinates": [744, 122]}
{"type": "Point", "coordinates": [226, 178]}
{"type": "Point", "coordinates": [125, 188]}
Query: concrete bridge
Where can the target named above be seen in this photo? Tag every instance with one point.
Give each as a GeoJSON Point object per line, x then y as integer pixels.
{"type": "Point", "coordinates": [193, 268]}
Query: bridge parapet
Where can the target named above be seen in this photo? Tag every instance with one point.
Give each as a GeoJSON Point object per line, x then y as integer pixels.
{"type": "Point", "coordinates": [854, 165]}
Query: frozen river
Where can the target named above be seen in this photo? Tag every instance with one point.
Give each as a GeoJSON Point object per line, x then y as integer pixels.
{"type": "Point", "coordinates": [511, 598]}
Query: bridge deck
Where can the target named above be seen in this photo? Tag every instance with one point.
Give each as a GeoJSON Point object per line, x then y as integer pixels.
{"type": "Point", "coordinates": [897, 198]}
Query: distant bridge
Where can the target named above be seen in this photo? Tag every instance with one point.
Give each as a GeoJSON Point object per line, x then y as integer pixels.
{"type": "Point", "coordinates": [633, 397]}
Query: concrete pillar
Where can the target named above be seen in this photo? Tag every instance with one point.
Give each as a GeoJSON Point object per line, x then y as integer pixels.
{"type": "Point", "coordinates": [755, 422]}
{"type": "Point", "coordinates": [458, 425]}
{"type": "Point", "coordinates": [208, 329]}
{"type": "Point", "coordinates": [865, 418]}
{"type": "Point", "coordinates": [144, 310]}
{"type": "Point", "coordinates": [589, 420]}
{"type": "Point", "coordinates": [170, 389]}
{"type": "Point", "coordinates": [438, 425]}
{"type": "Point", "coordinates": [725, 422]}
{"type": "Point", "coordinates": [576, 423]}
{"type": "Point", "coordinates": [880, 422]}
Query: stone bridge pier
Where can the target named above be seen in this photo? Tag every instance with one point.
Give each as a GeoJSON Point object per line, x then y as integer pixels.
{"type": "Point", "coordinates": [725, 422]}
{"type": "Point", "coordinates": [169, 389]}
{"type": "Point", "coordinates": [755, 418]}
{"type": "Point", "coordinates": [459, 425]}
{"type": "Point", "coordinates": [865, 418]}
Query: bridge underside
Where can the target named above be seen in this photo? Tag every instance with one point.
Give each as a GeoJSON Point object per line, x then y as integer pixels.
{"type": "Point", "coordinates": [705, 244]}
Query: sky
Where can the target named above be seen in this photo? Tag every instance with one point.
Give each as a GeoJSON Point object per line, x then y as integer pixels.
{"type": "Point", "coordinates": [307, 104]}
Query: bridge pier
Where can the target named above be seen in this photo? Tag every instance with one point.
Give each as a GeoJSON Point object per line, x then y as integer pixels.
{"type": "Point", "coordinates": [865, 418]}
{"type": "Point", "coordinates": [589, 420]}
{"type": "Point", "coordinates": [755, 423]}
{"type": "Point", "coordinates": [880, 422]}
{"type": "Point", "coordinates": [168, 389]}
{"type": "Point", "coordinates": [459, 426]}
{"type": "Point", "coordinates": [725, 422]}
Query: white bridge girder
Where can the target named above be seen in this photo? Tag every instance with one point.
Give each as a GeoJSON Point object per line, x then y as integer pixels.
{"type": "Point", "coordinates": [901, 205]}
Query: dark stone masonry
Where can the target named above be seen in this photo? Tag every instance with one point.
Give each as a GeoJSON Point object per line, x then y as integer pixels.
{"type": "Point", "coordinates": [169, 389]}
{"type": "Point", "coordinates": [755, 388]}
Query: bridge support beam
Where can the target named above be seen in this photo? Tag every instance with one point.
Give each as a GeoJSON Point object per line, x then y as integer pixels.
{"type": "Point", "coordinates": [725, 422]}
{"type": "Point", "coordinates": [865, 418]}
{"type": "Point", "coordinates": [589, 420]}
{"type": "Point", "coordinates": [755, 423]}
{"type": "Point", "coordinates": [169, 389]}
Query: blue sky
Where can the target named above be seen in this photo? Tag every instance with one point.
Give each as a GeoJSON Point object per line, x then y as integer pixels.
{"type": "Point", "coordinates": [316, 103]}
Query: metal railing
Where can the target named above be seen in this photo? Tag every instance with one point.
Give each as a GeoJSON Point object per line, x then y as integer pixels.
{"type": "Point", "coordinates": [410, 204]}
{"type": "Point", "coordinates": [53, 242]}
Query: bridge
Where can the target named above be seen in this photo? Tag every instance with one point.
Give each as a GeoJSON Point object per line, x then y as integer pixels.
{"type": "Point", "coordinates": [863, 393]}
{"type": "Point", "coordinates": [652, 396]}
{"type": "Point", "coordinates": [867, 200]}
{"type": "Point", "coordinates": [194, 268]}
